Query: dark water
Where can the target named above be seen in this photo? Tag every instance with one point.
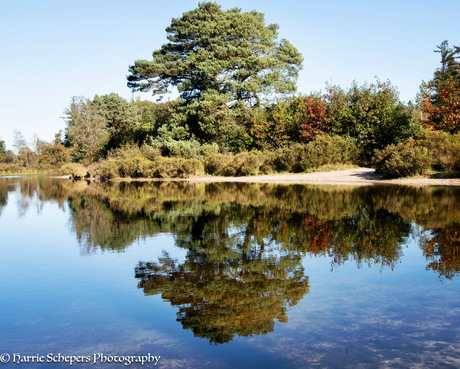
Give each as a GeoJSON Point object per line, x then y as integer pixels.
{"type": "Point", "coordinates": [228, 275]}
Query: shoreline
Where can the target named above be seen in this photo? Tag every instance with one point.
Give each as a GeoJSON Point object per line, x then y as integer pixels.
{"type": "Point", "coordinates": [353, 177]}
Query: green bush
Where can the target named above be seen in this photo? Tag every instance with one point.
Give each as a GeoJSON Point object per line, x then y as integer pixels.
{"type": "Point", "coordinates": [242, 164]}
{"type": "Point", "coordinates": [428, 149]}
{"type": "Point", "coordinates": [216, 164]}
{"type": "Point", "coordinates": [189, 167]}
{"type": "Point", "coordinates": [326, 149]}
{"type": "Point", "coordinates": [457, 165]}
{"type": "Point", "coordinates": [180, 149]}
{"type": "Point", "coordinates": [443, 147]}
{"type": "Point", "coordinates": [286, 159]}
{"type": "Point", "coordinates": [134, 167]}
{"type": "Point", "coordinates": [74, 169]}
{"type": "Point", "coordinates": [93, 170]}
{"type": "Point", "coordinates": [150, 152]}
{"type": "Point", "coordinates": [125, 152]}
{"type": "Point", "coordinates": [250, 163]}
{"type": "Point", "coordinates": [107, 169]}
{"type": "Point", "coordinates": [12, 168]}
{"type": "Point", "coordinates": [176, 168]}
{"type": "Point", "coordinates": [208, 150]}
{"type": "Point", "coordinates": [268, 164]}
{"type": "Point", "coordinates": [402, 160]}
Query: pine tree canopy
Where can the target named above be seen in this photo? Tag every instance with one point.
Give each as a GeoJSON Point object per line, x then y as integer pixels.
{"type": "Point", "coordinates": [231, 53]}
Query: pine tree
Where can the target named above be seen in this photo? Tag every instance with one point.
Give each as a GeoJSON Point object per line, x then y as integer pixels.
{"type": "Point", "coordinates": [441, 95]}
{"type": "Point", "coordinates": [229, 52]}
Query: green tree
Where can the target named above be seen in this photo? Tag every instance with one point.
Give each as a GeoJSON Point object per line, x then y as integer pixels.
{"type": "Point", "coordinates": [120, 118]}
{"type": "Point", "coordinates": [54, 154]}
{"type": "Point", "coordinates": [86, 129]}
{"type": "Point", "coordinates": [372, 114]}
{"type": "Point", "coordinates": [222, 63]}
{"type": "Point", "coordinates": [2, 151]}
{"type": "Point", "coordinates": [440, 97]}
{"type": "Point", "coordinates": [152, 116]}
{"type": "Point", "coordinates": [450, 67]}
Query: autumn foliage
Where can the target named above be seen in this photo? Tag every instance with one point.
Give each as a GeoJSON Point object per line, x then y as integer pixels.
{"type": "Point", "coordinates": [314, 118]}
{"type": "Point", "coordinates": [441, 104]}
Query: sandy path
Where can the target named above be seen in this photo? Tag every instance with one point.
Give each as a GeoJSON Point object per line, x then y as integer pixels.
{"type": "Point", "coordinates": [357, 176]}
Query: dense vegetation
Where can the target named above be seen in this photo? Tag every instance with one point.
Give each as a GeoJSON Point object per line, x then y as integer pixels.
{"type": "Point", "coordinates": [238, 113]}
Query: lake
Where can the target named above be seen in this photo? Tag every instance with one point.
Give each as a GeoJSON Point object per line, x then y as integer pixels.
{"type": "Point", "coordinates": [182, 275]}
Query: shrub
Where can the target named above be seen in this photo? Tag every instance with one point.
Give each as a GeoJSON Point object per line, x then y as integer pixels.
{"type": "Point", "coordinates": [327, 149]}
{"type": "Point", "coordinates": [250, 163]}
{"type": "Point", "coordinates": [402, 160]}
{"type": "Point", "coordinates": [233, 165]}
{"type": "Point", "coordinates": [216, 164]}
{"type": "Point", "coordinates": [134, 167]}
{"type": "Point", "coordinates": [108, 169]}
{"type": "Point", "coordinates": [208, 150]}
{"type": "Point", "coordinates": [75, 170]}
{"type": "Point", "coordinates": [457, 165]}
{"type": "Point", "coordinates": [443, 147]}
{"type": "Point", "coordinates": [268, 165]}
{"type": "Point", "coordinates": [93, 170]}
{"type": "Point", "coordinates": [11, 168]}
{"type": "Point", "coordinates": [242, 164]}
{"type": "Point", "coordinates": [180, 149]}
{"type": "Point", "coordinates": [189, 167]}
{"type": "Point", "coordinates": [286, 159]}
{"type": "Point", "coordinates": [9, 158]}
{"type": "Point", "coordinates": [125, 152]}
{"type": "Point", "coordinates": [150, 152]}
{"type": "Point", "coordinates": [176, 168]}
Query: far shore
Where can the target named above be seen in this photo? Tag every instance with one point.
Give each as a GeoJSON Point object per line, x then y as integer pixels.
{"type": "Point", "coordinates": [355, 177]}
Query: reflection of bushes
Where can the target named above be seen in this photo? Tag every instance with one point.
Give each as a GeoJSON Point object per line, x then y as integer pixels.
{"type": "Point", "coordinates": [367, 225]}
{"type": "Point", "coordinates": [443, 251]}
{"type": "Point", "coordinates": [339, 223]}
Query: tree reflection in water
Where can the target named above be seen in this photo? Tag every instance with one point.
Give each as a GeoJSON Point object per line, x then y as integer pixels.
{"type": "Point", "coordinates": [245, 242]}
{"type": "Point", "coordinates": [218, 299]}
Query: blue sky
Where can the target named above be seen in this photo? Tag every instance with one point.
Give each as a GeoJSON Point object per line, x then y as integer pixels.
{"type": "Point", "coordinates": [53, 50]}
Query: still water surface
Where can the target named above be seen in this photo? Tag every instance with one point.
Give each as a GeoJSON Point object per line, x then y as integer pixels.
{"type": "Point", "coordinates": [230, 275]}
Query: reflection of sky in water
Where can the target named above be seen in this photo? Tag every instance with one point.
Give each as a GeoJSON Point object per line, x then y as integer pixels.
{"type": "Point", "coordinates": [54, 299]}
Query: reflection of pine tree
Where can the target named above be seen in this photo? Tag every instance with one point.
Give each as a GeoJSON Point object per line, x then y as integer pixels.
{"type": "Point", "coordinates": [236, 279]}
{"type": "Point", "coordinates": [243, 295]}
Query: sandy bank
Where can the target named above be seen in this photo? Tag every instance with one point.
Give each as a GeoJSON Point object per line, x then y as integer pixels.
{"type": "Point", "coordinates": [357, 176]}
